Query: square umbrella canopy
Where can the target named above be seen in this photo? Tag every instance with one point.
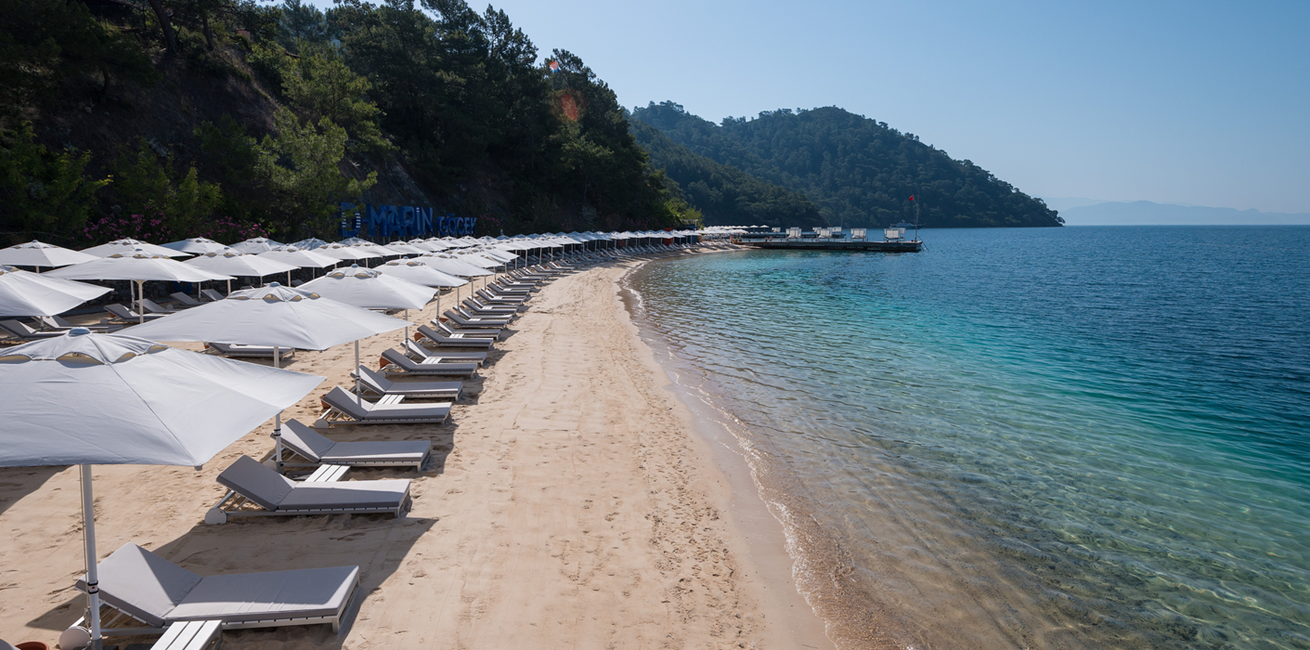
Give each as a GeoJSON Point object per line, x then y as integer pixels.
{"type": "Point", "coordinates": [276, 316]}
{"type": "Point", "coordinates": [33, 294]}
{"type": "Point", "coordinates": [38, 254]}
{"type": "Point", "coordinates": [128, 246]}
{"type": "Point", "coordinates": [138, 403]}
{"type": "Point", "coordinates": [139, 266]}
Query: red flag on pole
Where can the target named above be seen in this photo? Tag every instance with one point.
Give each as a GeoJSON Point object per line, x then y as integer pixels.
{"type": "Point", "coordinates": [911, 198]}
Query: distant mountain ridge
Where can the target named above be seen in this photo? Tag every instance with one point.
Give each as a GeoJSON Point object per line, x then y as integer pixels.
{"type": "Point", "coordinates": [1147, 213]}
{"type": "Point", "coordinates": [858, 172]}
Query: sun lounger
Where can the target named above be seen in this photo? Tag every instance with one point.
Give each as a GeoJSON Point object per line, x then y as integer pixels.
{"type": "Point", "coordinates": [372, 381]}
{"type": "Point", "coordinates": [432, 366]}
{"type": "Point", "coordinates": [250, 351]}
{"type": "Point", "coordinates": [476, 306]}
{"type": "Point", "coordinates": [505, 313]}
{"type": "Point", "coordinates": [391, 409]}
{"type": "Point", "coordinates": [467, 320]}
{"type": "Point", "coordinates": [58, 323]}
{"type": "Point", "coordinates": [417, 352]}
{"type": "Point", "coordinates": [446, 330]}
{"type": "Point", "coordinates": [140, 587]}
{"type": "Point", "coordinates": [183, 300]}
{"type": "Point", "coordinates": [152, 307]}
{"type": "Point", "coordinates": [127, 315]}
{"type": "Point", "coordinates": [20, 330]}
{"type": "Point", "coordinates": [257, 491]}
{"type": "Point", "coordinates": [316, 449]}
{"type": "Point", "coordinates": [510, 289]}
{"type": "Point", "coordinates": [211, 295]}
{"type": "Point", "coordinates": [442, 341]}
{"type": "Point", "coordinates": [494, 299]}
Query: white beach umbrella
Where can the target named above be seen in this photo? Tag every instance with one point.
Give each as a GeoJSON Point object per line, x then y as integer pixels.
{"type": "Point", "coordinates": [273, 315]}
{"type": "Point", "coordinates": [33, 294]}
{"type": "Point", "coordinates": [419, 272]}
{"type": "Point", "coordinates": [447, 263]}
{"type": "Point", "coordinates": [454, 266]}
{"type": "Point", "coordinates": [241, 265]}
{"type": "Point", "coordinates": [139, 267]}
{"type": "Point", "coordinates": [137, 403]}
{"type": "Point", "coordinates": [310, 244]}
{"type": "Point", "coordinates": [255, 245]}
{"type": "Point", "coordinates": [367, 288]}
{"type": "Point", "coordinates": [364, 244]}
{"type": "Point", "coordinates": [341, 252]}
{"type": "Point", "coordinates": [378, 249]}
{"type": "Point", "coordinates": [304, 259]}
{"type": "Point", "coordinates": [425, 245]}
{"type": "Point", "coordinates": [479, 260]}
{"type": "Point", "coordinates": [39, 254]}
{"type": "Point", "coordinates": [405, 248]}
{"type": "Point", "coordinates": [499, 254]}
{"type": "Point", "coordinates": [276, 316]}
{"type": "Point", "coordinates": [364, 287]}
{"type": "Point", "coordinates": [196, 246]}
{"type": "Point", "coordinates": [129, 246]}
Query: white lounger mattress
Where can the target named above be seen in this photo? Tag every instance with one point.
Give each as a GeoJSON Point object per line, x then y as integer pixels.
{"type": "Point", "coordinates": [159, 592]}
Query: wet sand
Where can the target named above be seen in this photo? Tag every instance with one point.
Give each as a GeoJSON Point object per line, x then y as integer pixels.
{"type": "Point", "coordinates": [570, 503]}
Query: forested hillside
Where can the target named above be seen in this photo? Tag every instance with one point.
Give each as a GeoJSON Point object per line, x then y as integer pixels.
{"type": "Point", "coordinates": [174, 118]}
{"type": "Point", "coordinates": [857, 171]}
{"type": "Point", "coordinates": [725, 195]}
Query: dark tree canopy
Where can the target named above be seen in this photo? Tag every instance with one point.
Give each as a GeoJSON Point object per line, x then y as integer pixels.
{"type": "Point", "coordinates": [726, 195]}
{"type": "Point", "coordinates": [858, 171]}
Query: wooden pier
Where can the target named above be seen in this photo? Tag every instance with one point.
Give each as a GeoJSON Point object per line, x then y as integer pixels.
{"type": "Point", "coordinates": [797, 244]}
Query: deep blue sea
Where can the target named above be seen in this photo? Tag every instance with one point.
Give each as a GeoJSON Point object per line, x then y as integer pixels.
{"type": "Point", "coordinates": [1051, 438]}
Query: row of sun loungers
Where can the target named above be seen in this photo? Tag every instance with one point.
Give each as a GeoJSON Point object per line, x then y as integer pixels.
{"type": "Point", "coordinates": [151, 595]}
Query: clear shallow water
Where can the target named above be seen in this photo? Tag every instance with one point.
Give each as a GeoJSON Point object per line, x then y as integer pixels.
{"type": "Point", "coordinates": [1077, 437]}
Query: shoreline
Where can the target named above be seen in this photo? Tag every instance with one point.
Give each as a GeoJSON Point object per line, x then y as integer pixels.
{"type": "Point", "coordinates": [774, 506]}
{"type": "Point", "coordinates": [569, 503]}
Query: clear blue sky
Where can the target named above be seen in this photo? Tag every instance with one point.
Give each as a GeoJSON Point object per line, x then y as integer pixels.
{"type": "Point", "coordinates": [1196, 102]}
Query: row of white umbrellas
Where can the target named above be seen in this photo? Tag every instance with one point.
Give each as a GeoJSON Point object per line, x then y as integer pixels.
{"type": "Point", "coordinates": [441, 262]}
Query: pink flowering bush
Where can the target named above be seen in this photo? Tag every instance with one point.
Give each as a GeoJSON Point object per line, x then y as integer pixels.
{"type": "Point", "coordinates": [155, 228]}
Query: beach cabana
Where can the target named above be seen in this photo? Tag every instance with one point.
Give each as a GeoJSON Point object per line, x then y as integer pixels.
{"type": "Point", "coordinates": [136, 404]}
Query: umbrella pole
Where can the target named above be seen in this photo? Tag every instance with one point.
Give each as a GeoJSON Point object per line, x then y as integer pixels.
{"type": "Point", "coordinates": [359, 398]}
{"type": "Point", "coordinates": [277, 419]}
{"type": "Point", "coordinates": [141, 296]}
{"type": "Point", "coordinates": [92, 575]}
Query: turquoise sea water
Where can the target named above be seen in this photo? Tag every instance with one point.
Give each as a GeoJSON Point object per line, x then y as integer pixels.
{"type": "Point", "coordinates": [1076, 437]}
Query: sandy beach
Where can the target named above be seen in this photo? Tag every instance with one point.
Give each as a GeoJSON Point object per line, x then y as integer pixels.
{"type": "Point", "coordinates": [569, 503]}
